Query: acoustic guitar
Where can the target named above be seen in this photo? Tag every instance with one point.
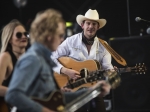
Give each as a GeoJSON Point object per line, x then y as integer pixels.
{"type": "Point", "coordinates": [90, 72]}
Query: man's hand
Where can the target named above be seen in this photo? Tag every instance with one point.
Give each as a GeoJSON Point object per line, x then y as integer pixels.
{"type": "Point", "coordinates": [47, 110]}
{"type": "Point", "coordinates": [64, 89]}
{"type": "Point", "coordinates": [105, 87]}
{"type": "Point", "coordinates": [73, 74]}
{"type": "Point", "coordinates": [115, 68]}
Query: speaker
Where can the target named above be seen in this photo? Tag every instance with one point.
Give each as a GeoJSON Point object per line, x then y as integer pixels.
{"type": "Point", "coordinates": [133, 94]}
{"type": "Point", "coordinates": [133, 49]}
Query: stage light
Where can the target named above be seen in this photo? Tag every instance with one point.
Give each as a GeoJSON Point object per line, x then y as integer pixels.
{"type": "Point", "coordinates": [69, 24]}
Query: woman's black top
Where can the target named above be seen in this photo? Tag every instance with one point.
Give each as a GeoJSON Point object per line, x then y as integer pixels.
{"type": "Point", "coordinates": [14, 60]}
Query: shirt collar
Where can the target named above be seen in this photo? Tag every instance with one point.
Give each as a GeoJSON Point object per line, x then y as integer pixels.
{"type": "Point", "coordinates": [43, 50]}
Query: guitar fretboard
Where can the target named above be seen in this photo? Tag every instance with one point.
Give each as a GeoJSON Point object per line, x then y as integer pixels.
{"type": "Point", "coordinates": [77, 83]}
{"type": "Point", "coordinates": [127, 69]}
{"type": "Point", "coordinates": [92, 76]}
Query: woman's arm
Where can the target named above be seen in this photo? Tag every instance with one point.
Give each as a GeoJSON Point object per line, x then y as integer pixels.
{"type": "Point", "coordinates": [25, 72]}
{"type": "Point", "coordinates": [4, 58]}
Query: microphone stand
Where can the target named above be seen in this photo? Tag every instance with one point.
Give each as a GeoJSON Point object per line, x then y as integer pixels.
{"type": "Point", "coordinates": [128, 18]}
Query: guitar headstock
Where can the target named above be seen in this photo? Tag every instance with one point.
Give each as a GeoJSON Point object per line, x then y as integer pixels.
{"type": "Point", "coordinates": [114, 79]}
{"type": "Point", "coordinates": [139, 68]}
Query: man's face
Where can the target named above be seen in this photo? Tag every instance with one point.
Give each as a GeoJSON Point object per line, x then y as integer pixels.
{"type": "Point", "coordinates": [57, 38]}
{"type": "Point", "coordinates": [90, 28]}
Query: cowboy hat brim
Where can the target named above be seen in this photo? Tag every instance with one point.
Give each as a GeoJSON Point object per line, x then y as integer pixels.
{"type": "Point", "coordinates": [81, 18]}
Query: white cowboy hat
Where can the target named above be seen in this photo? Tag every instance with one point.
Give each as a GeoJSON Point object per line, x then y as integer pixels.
{"type": "Point", "coordinates": [91, 15]}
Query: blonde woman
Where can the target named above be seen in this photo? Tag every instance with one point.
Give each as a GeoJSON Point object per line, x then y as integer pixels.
{"type": "Point", "coordinates": [14, 40]}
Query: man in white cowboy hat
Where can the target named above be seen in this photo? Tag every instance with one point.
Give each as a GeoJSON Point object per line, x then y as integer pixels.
{"type": "Point", "coordinates": [84, 46]}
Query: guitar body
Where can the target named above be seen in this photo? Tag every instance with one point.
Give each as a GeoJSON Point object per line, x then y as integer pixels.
{"type": "Point", "coordinates": [3, 105]}
{"type": "Point", "coordinates": [55, 101]}
{"type": "Point", "coordinates": [90, 65]}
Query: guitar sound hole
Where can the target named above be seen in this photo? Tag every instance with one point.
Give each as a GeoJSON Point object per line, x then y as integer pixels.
{"type": "Point", "coordinates": [84, 73]}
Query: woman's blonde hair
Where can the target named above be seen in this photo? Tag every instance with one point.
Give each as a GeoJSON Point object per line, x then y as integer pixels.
{"type": "Point", "coordinates": [7, 33]}
{"type": "Point", "coordinates": [44, 25]}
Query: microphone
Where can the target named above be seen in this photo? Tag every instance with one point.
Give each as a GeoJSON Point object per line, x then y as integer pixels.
{"type": "Point", "coordinates": [138, 19]}
{"type": "Point", "coordinates": [148, 30]}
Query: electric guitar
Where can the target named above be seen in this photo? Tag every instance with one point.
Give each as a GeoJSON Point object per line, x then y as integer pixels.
{"type": "Point", "coordinates": [113, 79]}
{"type": "Point", "coordinates": [90, 72]}
{"type": "Point", "coordinates": [3, 105]}
{"type": "Point", "coordinates": [55, 101]}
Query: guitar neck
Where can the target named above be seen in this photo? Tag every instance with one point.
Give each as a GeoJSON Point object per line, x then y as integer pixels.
{"type": "Point", "coordinates": [89, 78]}
{"type": "Point", "coordinates": [83, 99]}
{"type": "Point", "coordinates": [127, 69]}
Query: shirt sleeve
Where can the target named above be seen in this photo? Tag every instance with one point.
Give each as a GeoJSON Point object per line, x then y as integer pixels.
{"type": "Point", "coordinates": [106, 61]}
{"type": "Point", "coordinates": [62, 50]}
{"type": "Point", "coordinates": [70, 96]}
{"type": "Point", "coordinates": [25, 72]}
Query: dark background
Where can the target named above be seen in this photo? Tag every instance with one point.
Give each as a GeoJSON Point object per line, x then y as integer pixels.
{"type": "Point", "coordinates": [116, 12]}
{"type": "Point", "coordinates": [122, 32]}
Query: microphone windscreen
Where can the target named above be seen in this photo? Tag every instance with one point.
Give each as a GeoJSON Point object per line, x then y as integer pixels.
{"type": "Point", "coordinates": [137, 19]}
{"type": "Point", "coordinates": [148, 30]}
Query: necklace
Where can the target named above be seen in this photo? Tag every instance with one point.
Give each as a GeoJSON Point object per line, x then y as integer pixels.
{"type": "Point", "coordinates": [17, 52]}
{"type": "Point", "coordinates": [87, 41]}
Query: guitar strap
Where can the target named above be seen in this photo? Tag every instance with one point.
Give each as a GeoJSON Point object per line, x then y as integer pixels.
{"type": "Point", "coordinates": [114, 54]}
